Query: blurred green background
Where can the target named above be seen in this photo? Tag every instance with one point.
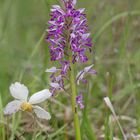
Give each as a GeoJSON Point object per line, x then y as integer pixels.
{"type": "Point", "coordinates": [115, 29]}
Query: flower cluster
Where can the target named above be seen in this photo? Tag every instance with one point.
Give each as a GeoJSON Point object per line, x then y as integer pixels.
{"type": "Point", "coordinates": [68, 30]}
{"type": "Point", "coordinates": [67, 35]}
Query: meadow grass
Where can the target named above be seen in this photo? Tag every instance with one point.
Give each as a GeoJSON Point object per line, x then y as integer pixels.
{"type": "Point", "coordinates": [24, 56]}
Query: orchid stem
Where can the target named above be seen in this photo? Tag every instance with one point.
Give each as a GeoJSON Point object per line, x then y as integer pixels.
{"type": "Point", "coordinates": [73, 101]}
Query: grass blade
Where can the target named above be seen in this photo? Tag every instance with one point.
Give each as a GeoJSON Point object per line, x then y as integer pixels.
{"type": "Point", "coordinates": [117, 17]}
{"type": "Point", "coordinates": [110, 106]}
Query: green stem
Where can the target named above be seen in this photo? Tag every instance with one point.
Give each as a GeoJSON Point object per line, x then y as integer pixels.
{"type": "Point", "coordinates": [73, 101]}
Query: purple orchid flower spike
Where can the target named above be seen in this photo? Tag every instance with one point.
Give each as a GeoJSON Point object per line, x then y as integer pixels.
{"type": "Point", "coordinates": [69, 42]}
{"type": "Point", "coordinates": [67, 25]}
{"type": "Point", "coordinates": [81, 74]}
{"type": "Point", "coordinates": [77, 25]}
